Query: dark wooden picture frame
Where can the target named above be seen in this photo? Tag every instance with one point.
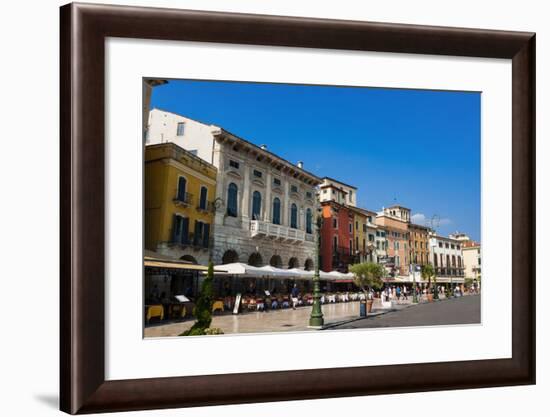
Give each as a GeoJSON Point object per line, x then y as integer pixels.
{"type": "Point", "coordinates": [84, 29]}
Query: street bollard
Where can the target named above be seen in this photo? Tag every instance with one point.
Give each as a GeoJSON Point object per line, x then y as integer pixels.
{"type": "Point", "coordinates": [363, 308]}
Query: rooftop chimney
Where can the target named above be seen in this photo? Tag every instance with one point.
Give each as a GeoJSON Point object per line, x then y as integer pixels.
{"type": "Point", "coordinates": [300, 164]}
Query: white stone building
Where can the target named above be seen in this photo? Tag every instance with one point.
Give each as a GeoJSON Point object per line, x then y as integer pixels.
{"type": "Point", "coordinates": [265, 206]}
{"type": "Point", "coordinates": [446, 257]}
{"type": "Point", "coordinates": [334, 190]}
{"type": "Point", "coordinates": [471, 252]}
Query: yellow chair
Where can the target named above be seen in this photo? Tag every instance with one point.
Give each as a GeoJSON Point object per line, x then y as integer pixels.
{"type": "Point", "coordinates": [217, 305]}
{"type": "Point", "coordinates": [178, 310]}
{"type": "Point", "coordinates": [155, 311]}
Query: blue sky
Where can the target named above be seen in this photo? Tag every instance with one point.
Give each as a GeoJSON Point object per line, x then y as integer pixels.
{"type": "Point", "coordinates": [417, 148]}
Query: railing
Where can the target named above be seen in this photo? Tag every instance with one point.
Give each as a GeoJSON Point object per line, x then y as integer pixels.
{"type": "Point", "coordinates": [342, 250]}
{"type": "Point", "coordinates": [184, 199]}
{"type": "Point", "coordinates": [189, 241]}
{"type": "Point", "coordinates": [450, 271]}
{"type": "Point", "coordinates": [260, 228]}
{"type": "Point", "coordinates": [342, 256]}
{"type": "Point", "coordinates": [209, 207]}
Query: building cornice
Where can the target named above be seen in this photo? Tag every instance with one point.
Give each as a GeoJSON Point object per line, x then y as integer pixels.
{"type": "Point", "coordinates": [222, 136]}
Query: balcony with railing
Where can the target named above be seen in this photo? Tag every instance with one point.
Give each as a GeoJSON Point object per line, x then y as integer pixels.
{"type": "Point", "coordinates": [206, 207]}
{"type": "Point", "coordinates": [261, 229]}
{"type": "Point", "coordinates": [449, 271]}
{"type": "Point", "coordinates": [183, 199]}
{"type": "Point", "coordinates": [343, 256]}
{"type": "Point", "coordinates": [190, 240]}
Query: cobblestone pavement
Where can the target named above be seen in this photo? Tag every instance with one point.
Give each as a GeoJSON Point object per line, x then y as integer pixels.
{"type": "Point", "coordinates": [461, 310]}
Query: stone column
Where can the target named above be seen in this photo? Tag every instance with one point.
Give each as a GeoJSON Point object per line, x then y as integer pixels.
{"type": "Point", "coordinates": [268, 203]}
{"type": "Point", "coordinates": [285, 220]}
{"type": "Point", "coordinates": [218, 160]}
{"type": "Point", "coordinates": [245, 200]}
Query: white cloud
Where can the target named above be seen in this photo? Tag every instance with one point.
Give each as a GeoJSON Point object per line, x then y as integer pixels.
{"type": "Point", "coordinates": [418, 218]}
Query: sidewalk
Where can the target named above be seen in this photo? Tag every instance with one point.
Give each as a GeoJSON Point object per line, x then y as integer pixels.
{"type": "Point", "coordinates": [286, 320]}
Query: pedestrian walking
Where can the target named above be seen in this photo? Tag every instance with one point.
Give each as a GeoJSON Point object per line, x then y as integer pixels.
{"type": "Point", "coordinates": [398, 293]}
{"type": "Point", "coordinates": [294, 296]}
{"type": "Point", "coordinates": [405, 293]}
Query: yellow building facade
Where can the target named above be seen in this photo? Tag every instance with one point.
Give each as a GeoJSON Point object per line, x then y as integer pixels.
{"type": "Point", "coordinates": [419, 252]}
{"type": "Point", "coordinates": [364, 237]}
{"type": "Point", "coordinates": [180, 189]}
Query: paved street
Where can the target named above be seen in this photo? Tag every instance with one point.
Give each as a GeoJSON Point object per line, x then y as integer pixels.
{"type": "Point", "coordinates": [462, 310]}
{"type": "Point", "coordinates": [258, 322]}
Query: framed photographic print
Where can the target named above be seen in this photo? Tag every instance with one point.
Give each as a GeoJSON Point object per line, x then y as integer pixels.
{"type": "Point", "coordinates": [263, 208]}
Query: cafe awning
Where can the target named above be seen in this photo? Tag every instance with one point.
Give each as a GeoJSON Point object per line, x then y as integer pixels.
{"type": "Point", "coordinates": [341, 277]}
{"type": "Point", "coordinates": [166, 263]}
{"type": "Point", "coordinates": [248, 271]}
{"type": "Point", "coordinates": [243, 270]}
{"type": "Point", "coordinates": [274, 272]}
{"type": "Point", "coordinates": [174, 265]}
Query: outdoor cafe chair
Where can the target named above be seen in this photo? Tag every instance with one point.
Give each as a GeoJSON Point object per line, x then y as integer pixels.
{"type": "Point", "coordinates": [285, 303]}
{"type": "Point", "coordinates": [155, 311]}
{"type": "Point", "coordinates": [217, 305]}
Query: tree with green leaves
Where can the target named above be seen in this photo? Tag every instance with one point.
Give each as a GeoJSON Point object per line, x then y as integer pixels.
{"type": "Point", "coordinates": [368, 275]}
{"type": "Point", "coordinates": [428, 273]}
{"type": "Point", "coordinates": [203, 306]}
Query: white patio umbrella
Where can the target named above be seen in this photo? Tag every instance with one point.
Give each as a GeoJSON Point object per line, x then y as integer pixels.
{"type": "Point", "coordinates": [274, 272]}
{"type": "Point", "coordinates": [243, 270]}
{"type": "Point", "coordinates": [301, 273]}
{"type": "Point", "coordinates": [325, 276]}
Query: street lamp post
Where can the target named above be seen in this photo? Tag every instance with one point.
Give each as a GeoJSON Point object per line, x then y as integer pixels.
{"type": "Point", "coordinates": [316, 319]}
{"type": "Point", "coordinates": [415, 296]}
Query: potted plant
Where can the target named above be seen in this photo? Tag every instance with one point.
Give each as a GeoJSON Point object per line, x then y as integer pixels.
{"type": "Point", "coordinates": [203, 307]}
{"type": "Point", "coordinates": [429, 273]}
{"type": "Point", "coordinates": [367, 276]}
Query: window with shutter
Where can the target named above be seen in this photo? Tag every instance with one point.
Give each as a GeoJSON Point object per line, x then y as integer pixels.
{"type": "Point", "coordinates": [206, 235]}
{"type": "Point", "coordinates": [182, 184]}
{"type": "Point", "coordinates": [276, 211]}
{"type": "Point", "coordinates": [294, 216]}
{"type": "Point", "coordinates": [176, 228]}
{"type": "Point", "coordinates": [309, 217]}
{"type": "Point", "coordinates": [197, 237]}
{"type": "Point", "coordinates": [184, 230]}
{"type": "Point", "coordinates": [202, 200]}
{"type": "Point", "coordinates": [232, 191]}
{"type": "Point", "coordinates": [256, 205]}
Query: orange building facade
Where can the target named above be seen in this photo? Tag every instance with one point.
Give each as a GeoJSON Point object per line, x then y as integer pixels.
{"type": "Point", "coordinates": [337, 237]}
{"type": "Point", "coordinates": [419, 252]}
{"type": "Point", "coordinates": [395, 221]}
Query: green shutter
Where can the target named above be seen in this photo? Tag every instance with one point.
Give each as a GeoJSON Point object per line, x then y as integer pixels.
{"type": "Point", "coordinates": [184, 230]}
{"type": "Point", "coordinates": [205, 234]}
{"type": "Point", "coordinates": [197, 235]}
{"type": "Point", "coordinates": [176, 233]}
